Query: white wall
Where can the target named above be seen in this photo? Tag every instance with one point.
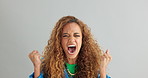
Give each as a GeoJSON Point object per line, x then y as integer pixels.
{"type": "Point", "coordinates": [119, 25]}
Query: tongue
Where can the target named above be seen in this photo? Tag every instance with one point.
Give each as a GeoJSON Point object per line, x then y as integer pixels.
{"type": "Point", "coordinates": [71, 49]}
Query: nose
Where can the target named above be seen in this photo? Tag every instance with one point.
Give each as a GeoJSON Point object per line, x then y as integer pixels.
{"type": "Point", "coordinates": [71, 39]}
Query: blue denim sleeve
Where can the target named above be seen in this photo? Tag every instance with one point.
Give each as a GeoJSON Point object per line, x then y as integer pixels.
{"type": "Point", "coordinates": [106, 76]}
{"type": "Point", "coordinates": [32, 76]}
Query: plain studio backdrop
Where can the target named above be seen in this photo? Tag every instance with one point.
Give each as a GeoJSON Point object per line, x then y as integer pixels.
{"type": "Point", "coordinates": [118, 25]}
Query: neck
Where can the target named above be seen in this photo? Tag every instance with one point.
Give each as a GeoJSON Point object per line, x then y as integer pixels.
{"type": "Point", "coordinates": [71, 60]}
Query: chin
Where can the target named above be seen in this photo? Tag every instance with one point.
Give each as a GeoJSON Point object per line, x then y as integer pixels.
{"type": "Point", "coordinates": [72, 56]}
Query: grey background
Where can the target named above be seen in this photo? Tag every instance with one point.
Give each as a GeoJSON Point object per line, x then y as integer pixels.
{"type": "Point", "coordinates": [118, 25]}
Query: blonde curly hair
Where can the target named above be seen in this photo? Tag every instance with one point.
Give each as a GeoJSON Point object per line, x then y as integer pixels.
{"type": "Point", "coordinates": [88, 60]}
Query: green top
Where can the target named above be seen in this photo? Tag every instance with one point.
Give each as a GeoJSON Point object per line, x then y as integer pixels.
{"type": "Point", "coordinates": [71, 68]}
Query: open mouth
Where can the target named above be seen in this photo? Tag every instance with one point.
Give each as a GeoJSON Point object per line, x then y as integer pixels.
{"type": "Point", "coordinates": [71, 49]}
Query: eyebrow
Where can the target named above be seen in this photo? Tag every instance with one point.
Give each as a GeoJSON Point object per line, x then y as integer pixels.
{"type": "Point", "coordinates": [65, 33]}
{"type": "Point", "coordinates": [74, 33]}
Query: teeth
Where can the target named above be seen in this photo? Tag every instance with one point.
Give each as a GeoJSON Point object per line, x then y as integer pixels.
{"type": "Point", "coordinates": [71, 45]}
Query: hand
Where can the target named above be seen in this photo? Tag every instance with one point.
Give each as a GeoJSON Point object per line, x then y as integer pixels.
{"type": "Point", "coordinates": [105, 59]}
{"type": "Point", "coordinates": [35, 58]}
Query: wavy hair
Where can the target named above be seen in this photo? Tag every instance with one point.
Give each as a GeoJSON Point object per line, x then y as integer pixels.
{"type": "Point", "coordinates": [88, 60]}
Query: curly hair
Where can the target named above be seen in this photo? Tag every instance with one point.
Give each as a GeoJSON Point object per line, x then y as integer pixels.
{"type": "Point", "coordinates": [88, 60]}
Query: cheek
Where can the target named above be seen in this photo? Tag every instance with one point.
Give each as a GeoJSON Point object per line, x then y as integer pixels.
{"type": "Point", "coordinates": [64, 42]}
{"type": "Point", "coordinates": [79, 41]}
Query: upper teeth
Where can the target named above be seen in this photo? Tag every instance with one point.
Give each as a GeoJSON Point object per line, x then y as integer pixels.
{"type": "Point", "coordinates": [71, 45]}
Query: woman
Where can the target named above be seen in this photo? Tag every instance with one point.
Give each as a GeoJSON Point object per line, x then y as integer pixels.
{"type": "Point", "coordinates": [71, 53]}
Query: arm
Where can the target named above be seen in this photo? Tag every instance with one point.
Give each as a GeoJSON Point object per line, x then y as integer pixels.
{"type": "Point", "coordinates": [105, 59]}
{"type": "Point", "coordinates": [36, 71]}
{"type": "Point", "coordinates": [35, 58]}
{"type": "Point", "coordinates": [103, 73]}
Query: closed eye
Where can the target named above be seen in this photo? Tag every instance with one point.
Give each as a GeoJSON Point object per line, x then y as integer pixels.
{"type": "Point", "coordinates": [65, 35]}
{"type": "Point", "coordinates": [77, 35]}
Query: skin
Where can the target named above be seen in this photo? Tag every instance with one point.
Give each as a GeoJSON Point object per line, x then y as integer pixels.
{"type": "Point", "coordinates": [105, 59]}
{"type": "Point", "coordinates": [35, 59]}
{"type": "Point", "coordinates": [71, 35]}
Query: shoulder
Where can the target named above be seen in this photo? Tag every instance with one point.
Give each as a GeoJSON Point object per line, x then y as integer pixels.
{"type": "Point", "coordinates": [32, 75]}
{"type": "Point", "coordinates": [106, 76]}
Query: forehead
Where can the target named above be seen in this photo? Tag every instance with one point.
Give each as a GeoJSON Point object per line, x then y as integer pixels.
{"type": "Point", "coordinates": [71, 27]}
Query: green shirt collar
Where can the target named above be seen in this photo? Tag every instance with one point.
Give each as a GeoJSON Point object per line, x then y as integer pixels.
{"type": "Point", "coordinates": [71, 67]}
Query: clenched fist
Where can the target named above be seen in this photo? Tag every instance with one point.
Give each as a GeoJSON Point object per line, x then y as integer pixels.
{"type": "Point", "coordinates": [35, 58]}
{"type": "Point", "coordinates": [105, 59]}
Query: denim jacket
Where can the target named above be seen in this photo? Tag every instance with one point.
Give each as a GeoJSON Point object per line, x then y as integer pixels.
{"type": "Point", "coordinates": [65, 74]}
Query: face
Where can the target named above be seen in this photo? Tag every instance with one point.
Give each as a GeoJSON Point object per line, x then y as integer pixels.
{"type": "Point", "coordinates": [71, 40]}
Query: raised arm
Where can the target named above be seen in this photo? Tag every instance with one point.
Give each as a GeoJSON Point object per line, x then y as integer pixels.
{"type": "Point", "coordinates": [105, 59]}
{"type": "Point", "coordinates": [35, 58]}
